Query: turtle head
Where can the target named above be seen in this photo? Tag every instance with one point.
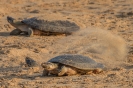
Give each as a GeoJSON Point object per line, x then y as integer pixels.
{"type": "Point", "coordinates": [10, 19]}
{"type": "Point", "coordinates": [49, 65]}
{"type": "Point", "coordinates": [13, 22]}
{"type": "Point", "coordinates": [17, 23]}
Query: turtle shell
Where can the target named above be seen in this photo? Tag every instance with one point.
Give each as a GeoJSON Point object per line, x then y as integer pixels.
{"type": "Point", "coordinates": [77, 61]}
{"type": "Point", "coordinates": [51, 26]}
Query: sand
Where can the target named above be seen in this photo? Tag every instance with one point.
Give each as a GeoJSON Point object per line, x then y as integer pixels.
{"type": "Point", "coordinates": [105, 35]}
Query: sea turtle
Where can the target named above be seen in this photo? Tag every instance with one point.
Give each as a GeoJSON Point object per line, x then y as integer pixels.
{"type": "Point", "coordinates": [71, 64]}
{"type": "Point", "coordinates": [35, 26]}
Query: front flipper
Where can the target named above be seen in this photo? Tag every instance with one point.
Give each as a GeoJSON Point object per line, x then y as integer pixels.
{"type": "Point", "coordinates": [30, 32]}
{"type": "Point", "coordinates": [15, 32]}
{"type": "Point", "coordinates": [62, 71]}
{"type": "Point", "coordinates": [45, 73]}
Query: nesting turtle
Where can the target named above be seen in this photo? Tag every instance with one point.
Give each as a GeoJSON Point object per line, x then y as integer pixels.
{"type": "Point", "coordinates": [71, 65]}
{"type": "Point", "coordinates": [36, 26]}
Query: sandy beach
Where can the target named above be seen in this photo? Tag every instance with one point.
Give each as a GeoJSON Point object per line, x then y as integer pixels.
{"type": "Point", "coordinates": [105, 35]}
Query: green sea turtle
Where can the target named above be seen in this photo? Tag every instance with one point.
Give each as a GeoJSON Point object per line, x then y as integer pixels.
{"type": "Point", "coordinates": [71, 65]}
{"type": "Point", "coordinates": [35, 26]}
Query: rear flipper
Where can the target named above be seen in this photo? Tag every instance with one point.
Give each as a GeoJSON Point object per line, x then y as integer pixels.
{"type": "Point", "coordinates": [94, 71]}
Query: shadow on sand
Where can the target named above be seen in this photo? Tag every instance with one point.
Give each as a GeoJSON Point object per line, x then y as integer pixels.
{"type": "Point", "coordinates": [4, 33]}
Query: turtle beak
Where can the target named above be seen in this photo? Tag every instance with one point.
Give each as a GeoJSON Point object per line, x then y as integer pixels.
{"type": "Point", "coordinates": [43, 65]}
{"type": "Point", "coordinates": [47, 66]}
{"type": "Point", "coordinates": [10, 19]}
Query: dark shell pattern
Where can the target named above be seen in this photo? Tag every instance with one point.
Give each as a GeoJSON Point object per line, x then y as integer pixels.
{"type": "Point", "coordinates": [52, 26]}
{"type": "Point", "coordinates": [77, 61]}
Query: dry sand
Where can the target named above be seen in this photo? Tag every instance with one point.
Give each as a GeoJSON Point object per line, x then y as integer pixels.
{"type": "Point", "coordinates": [105, 35]}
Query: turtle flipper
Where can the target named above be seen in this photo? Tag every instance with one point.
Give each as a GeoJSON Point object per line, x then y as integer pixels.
{"type": "Point", "coordinates": [62, 71]}
{"type": "Point", "coordinates": [15, 32]}
{"type": "Point", "coordinates": [30, 32]}
{"type": "Point", "coordinates": [45, 73]}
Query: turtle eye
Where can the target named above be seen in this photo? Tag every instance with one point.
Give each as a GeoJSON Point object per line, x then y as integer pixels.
{"type": "Point", "coordinates": [22, 22]}
{"type": "Point", "coordinates": [43, 65]}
